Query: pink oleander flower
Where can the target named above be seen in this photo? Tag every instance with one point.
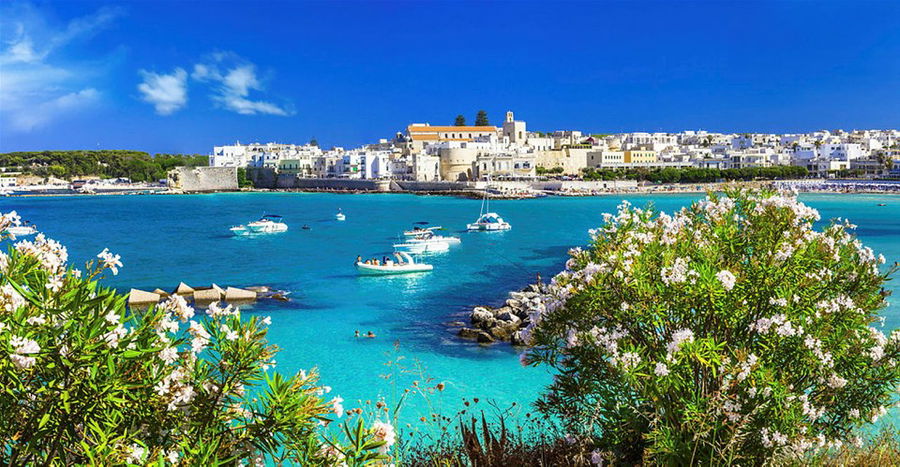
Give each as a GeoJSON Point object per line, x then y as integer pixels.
{"type": "Point", "coordinates": [384, 432]}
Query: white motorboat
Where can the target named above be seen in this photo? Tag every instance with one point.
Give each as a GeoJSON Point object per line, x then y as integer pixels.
{"type": "Point", "coordinates": [270, 223]}
{"type": "Point", "coordinates": [21, 230]}
{"type": "Point", "coordinates": [419, 231]}
{"type": "Point", "coordinates": [340, 216]}
{"type": "Point", "coordinates": [422, 247]}
{"type": "Point", "coordinates": [404, 265]}
{"type": "Point", "coordinates": [488, 221]}
{"type": "Point", "coordinates": [428, 237]}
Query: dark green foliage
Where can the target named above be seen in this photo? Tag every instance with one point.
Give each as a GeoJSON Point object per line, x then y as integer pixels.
{"type": "Point", "coordinates": [135, 165]}
{"type": "Point", "coordinates": [460, 120]}
{"type": "Point", "coordinates": [481, 119]}
{"type": "Point", "coordinates": [696, 175]}
{"type": "Point", "coordinates": [545, 171]}
{"type": "Point", "coordinates": [243, 181]}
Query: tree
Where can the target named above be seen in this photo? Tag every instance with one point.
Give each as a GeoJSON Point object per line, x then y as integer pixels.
{"type": "Point", "coordinates": [460, 120]}
{"type": "Point", "coordinates": [314, 142]}
{"type": "Point", "coordinates": [87, 380]}
{"type": "Point", "coordinates": [481, 119]}
{"type": "Point", "coordinates": [730, 332]}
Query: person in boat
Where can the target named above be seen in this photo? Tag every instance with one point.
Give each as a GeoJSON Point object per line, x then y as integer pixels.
{"type": "Point", "coordinates": [357, 334]}
{"type": "Point", "coordinates": [370, 335]}
{"type": "Point", "coordinates": [359, 260]}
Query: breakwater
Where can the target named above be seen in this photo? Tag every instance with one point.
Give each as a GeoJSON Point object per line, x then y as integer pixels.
{"type": "Point", "coordinates": [203, 296]}
{"type": "Point", "coordinates": [504, 323]}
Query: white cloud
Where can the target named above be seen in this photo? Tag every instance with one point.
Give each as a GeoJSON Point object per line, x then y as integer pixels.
{"type": "Point", "coordinates": [167, 93]}
{"type": "Point", "coordinates": [38, 85]}
{"type": "Point", "coordinates": [231, 88]}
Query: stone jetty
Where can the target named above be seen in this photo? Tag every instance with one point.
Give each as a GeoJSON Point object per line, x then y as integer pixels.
{"type": "Point", "coordinates": [489, 325]}
{"type": "Point", "coordinates": [203, 296]}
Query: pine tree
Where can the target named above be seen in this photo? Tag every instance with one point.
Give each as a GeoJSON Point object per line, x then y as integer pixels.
{"type": "Point", "coordinates": [460, 120]}
{"type": "Point", "coordinates": [481, 119]}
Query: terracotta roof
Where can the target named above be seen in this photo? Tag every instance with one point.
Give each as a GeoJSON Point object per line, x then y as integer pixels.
{"type": "Point", "coordinates": [425, 137]}
{"type": "Point", "coordinates": [462, 129]}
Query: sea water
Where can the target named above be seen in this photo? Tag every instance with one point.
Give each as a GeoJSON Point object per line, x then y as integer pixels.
{"type": "Point", "coordinates": [164, 240]}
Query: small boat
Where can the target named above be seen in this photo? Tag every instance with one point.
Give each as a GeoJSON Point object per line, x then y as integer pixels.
{"type": "Point", "coordinates": [882, 204]}
{"type": "Point", "coordinates": [340, 216]}
{"type": "Point", "coordinates": [305, 227]}
{"type": "Point", "coordinates": [488, 221]}
{"type": "Point", "coordinates": [270, 223]}
{"type": "Point", "coordinates": [422, 247]}
{"type": "Point", "coordinates": [404, 265]}
{"type": "Point", "coordinates": [21, 230]}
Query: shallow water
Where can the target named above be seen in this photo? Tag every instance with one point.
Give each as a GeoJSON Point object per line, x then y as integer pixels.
{"type": "Point", "coordinates": [167, 239]}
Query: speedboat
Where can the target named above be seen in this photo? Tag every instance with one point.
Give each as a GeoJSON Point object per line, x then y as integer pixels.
{"type": "Point", "coordinates": [428, 237]}
{"type": "Point", "coordinates": [340, 216]}
{"type": "Point", "coordinates": [404, 265]}
{"type": "Point", "coordinates": [490, 221]}
{"type": "Point", "coordinates": [422, 247]}
{"type": "Point", "coordinates": [21, 230]}
{"type": "Point", "coordinates": [270, 223]}
{"type": "Point", "coordinates": [419, 231]}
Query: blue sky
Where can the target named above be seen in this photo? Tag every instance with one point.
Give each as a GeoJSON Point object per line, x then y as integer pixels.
{"type": "Point", "coordinates": [184, 76]}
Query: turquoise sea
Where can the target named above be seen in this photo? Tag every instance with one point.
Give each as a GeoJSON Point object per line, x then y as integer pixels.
{"type": "Point", "coordinates": [167, 239]}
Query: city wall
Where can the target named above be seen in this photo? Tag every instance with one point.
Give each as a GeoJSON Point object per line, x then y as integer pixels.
{"type": "Point", "coordinates": [199, 179]}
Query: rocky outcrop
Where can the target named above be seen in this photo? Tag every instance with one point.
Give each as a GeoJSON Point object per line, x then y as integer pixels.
{"type": "Point", "coordinates": [504, 323]}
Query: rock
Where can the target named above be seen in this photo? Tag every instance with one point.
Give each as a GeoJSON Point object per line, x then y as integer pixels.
{"type": "Point", "coordinates": [482, 317]}
{"type": "Point", "coordinates": [207, 296]}
{"type": "Point", "coordinates": [183, 289]}
{"type": "Point", "coordinates": [484, 338]}
{"type": "Point", "coordinates": [456, 324]}
{"type": "Point", "coordinates": [517, 338]}
{"type": "Point", "coordinates": [234, 294]}
{"type": "Point", "coordinates": [162, 293]}
{"type": "Point", "coordinates": [509, 317]}
{"type": "Point", "coordinates": [530, 295]}
{"type": "Point", "coordinates": [503, 332]}
{"type": "Point", "coordinates": [280, 297]}
{"type": "Point", "coordinates": [139, 298]}
{"type": "Point", "coordinates": [513, 303]}
{"type": "Point", "coordinates": [468, 333]}
{"type": "Point", "coordinates": [516, 295]}
{"type": "Point", "coordinates": [533, 288]}
{"type": "Point", "coordinates": [259, 288]}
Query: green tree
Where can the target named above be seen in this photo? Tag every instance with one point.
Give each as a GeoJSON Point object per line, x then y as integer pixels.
{"type": "Point", "coordinates": [87, 380]}
{"type": "Point", "coordinates": [314, 142]}
{"type": "Point", "coordinates": [460, 120]}
{"type": "Point", "coordinates": [481, 119]}
{"type": "Point", "coordinates": [728, 333]}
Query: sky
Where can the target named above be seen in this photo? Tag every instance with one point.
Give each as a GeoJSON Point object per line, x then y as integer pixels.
{"type": "Point", "coordinates": [181, 77]}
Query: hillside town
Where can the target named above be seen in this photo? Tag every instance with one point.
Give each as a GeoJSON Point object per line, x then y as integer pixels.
{"type": "Point", "coordinates": [424, 152]}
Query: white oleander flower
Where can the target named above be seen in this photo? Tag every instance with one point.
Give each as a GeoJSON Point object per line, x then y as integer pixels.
{"type": "Point", "coordinates": [661, 370]}
{"type": "Point", "coordinates": [111, 261]}
{"type": "Point", "coordinates": [337, 406]}
{"type": "Point", "coordinates": [383, 431]}
{"type": "Point", "coordinates": [727, 279]}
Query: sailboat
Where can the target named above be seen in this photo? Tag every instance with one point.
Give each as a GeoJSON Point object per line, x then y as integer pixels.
{"type": "Point", "coordinates": [488, 221]}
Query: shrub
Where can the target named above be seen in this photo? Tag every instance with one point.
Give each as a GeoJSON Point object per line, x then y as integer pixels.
{"type": "Point", "coordinates": [731, 331]}
{"type": "Point", "coordinates": [86, 380]}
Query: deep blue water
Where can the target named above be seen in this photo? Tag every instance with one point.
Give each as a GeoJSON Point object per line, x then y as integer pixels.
{"type": "Point", "coordinates": [167, 239]}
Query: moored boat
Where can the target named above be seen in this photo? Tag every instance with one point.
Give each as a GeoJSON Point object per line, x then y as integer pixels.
{"type": "Point", "coordinates": [422, 247]}
{"type": "Point", "coordinates": [269, 223]}
{"type": "Point", "coordinates": [490, 221]}
{"type": "Point", "coordinates": [340, 216]}
{"type": "Point", "coordinates": [404, 265]}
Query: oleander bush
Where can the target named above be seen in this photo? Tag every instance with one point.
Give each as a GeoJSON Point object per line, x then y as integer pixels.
{"type": "Point", "coordinates": [86, 380]}
{"type": "Point", "coordinates": [734, 331]}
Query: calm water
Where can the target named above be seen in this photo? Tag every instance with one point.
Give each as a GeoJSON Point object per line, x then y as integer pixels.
{"type": "Point", "coordinates": [167, 239]}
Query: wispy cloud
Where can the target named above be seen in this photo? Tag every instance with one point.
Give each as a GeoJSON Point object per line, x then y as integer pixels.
{"type": "Point", "coordinates": [233, 78]}
{"type": "Point", "coordinates": [167, 92]}
{"type": "Point", "coordinates": [38, 85]}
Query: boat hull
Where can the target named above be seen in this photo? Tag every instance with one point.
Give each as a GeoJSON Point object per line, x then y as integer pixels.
{"type": "Point", "coordinates": [488, 227]}
{"type": "Point", "coordinates": [380, 270]}
{"type": "Point", "coordinates": [422, 247]}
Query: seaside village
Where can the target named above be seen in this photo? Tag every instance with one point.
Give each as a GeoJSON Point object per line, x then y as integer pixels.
{"type": "Point", "coordinates": [428, 153]}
